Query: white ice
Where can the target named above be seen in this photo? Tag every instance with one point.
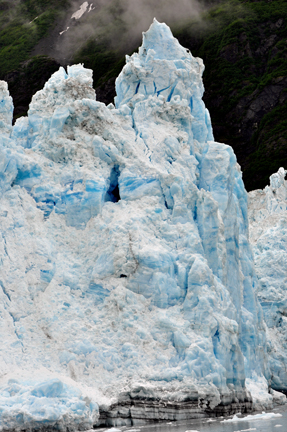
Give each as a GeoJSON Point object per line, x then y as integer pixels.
{"type": "Point", "coordinates": [268, 236]}
{"type": "Point", "coordinates": [79, 13]}
{"type": "Point", "coordinates": [64, 31]}
{"type": "Point", "coordinates": [126, 267]}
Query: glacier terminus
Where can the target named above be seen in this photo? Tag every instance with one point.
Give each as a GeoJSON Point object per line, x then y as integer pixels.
{"type": "Point", "coordinates": [127, 280]}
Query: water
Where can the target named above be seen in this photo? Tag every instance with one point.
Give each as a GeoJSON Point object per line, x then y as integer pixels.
{"type": "Point", "coordinates": [277, 424]}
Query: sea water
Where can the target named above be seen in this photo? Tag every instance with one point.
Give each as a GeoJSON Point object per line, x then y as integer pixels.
{"type": "Point", "coordinates": [263, 424]}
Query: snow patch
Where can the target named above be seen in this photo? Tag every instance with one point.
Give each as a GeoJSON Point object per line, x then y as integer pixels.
{"type": "Point", "coordinates": [79, 13]}
{"type": "Point", "coordinates": [64, 31]}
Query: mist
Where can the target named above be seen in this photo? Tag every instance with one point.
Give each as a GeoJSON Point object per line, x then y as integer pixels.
{"type": "Point", "coordinates": [137, 15]}
{"type": "Point", "coordinates": [119, 23]}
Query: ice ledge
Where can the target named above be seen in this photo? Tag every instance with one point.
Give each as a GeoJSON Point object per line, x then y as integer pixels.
{"type": "Point", "coordinates": [132, 411]}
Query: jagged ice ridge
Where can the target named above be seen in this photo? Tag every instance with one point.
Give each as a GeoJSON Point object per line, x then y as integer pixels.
{"type": "Point", "coordinates": [127, 279]}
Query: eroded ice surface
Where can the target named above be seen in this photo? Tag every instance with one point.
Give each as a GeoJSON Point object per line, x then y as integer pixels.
{"type": "Point", "coordinates": [126, 267]}
{"type": "Point", "coordinates": [268, 235]}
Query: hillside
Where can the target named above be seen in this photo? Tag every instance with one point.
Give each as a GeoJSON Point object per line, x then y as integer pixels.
{"type": "Point", "coordinates": [242, 43]}
{"type": "Point", "coordinates": [245, 80]}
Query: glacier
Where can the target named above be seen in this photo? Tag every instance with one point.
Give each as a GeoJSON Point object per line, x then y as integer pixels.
{"type": "Point", "coordinates": [268, 237]}
{"type": "Point", "coordinates": [127, 284]}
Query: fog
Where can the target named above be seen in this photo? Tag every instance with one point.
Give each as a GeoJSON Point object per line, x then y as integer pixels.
{"type": "Point", "coordinates": [117, 24]}
{"type": "Point", "coordinates": [120, 23]}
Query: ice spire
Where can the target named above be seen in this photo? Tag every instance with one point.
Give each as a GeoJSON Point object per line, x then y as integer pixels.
{"type": "Point", "coordinates": [6, 110]}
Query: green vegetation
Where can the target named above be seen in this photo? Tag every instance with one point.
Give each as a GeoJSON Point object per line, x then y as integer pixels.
{"type": "Point", "coordinates": [99, 57]}
{"type": "Point", "coordinates": [244, 48]}
{"type": "Point", "coordinates": [243, 44]}
{"type": "Point", "coordinates": [28, 79]}
{"type": "Point", "coordinates": [34, 8]}
{"type": "Point", "coordinates": [23, 24]}
{"type": "Point", "coordinates": [17, 40]}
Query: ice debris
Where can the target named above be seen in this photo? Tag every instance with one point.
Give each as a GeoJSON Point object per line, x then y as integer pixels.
{"type": "Point", "coordinates": [125, 260]}
{"type": "Point", "coordinates": [191, 430]}
{"type": "Point", "coordinates": [262, 416]}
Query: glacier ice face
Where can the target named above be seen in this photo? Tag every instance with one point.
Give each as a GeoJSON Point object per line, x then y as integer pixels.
{"type": "Point", "coordinates": [126, 264]}
{"type": "Point", "coordinates": [181, 83]}
{"type": "Point", "coordinates": [51, 403]}
{"type": "Point", "coordinates": [6, 110]}
{"type": "Point", "coordinates": [268, 236]}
